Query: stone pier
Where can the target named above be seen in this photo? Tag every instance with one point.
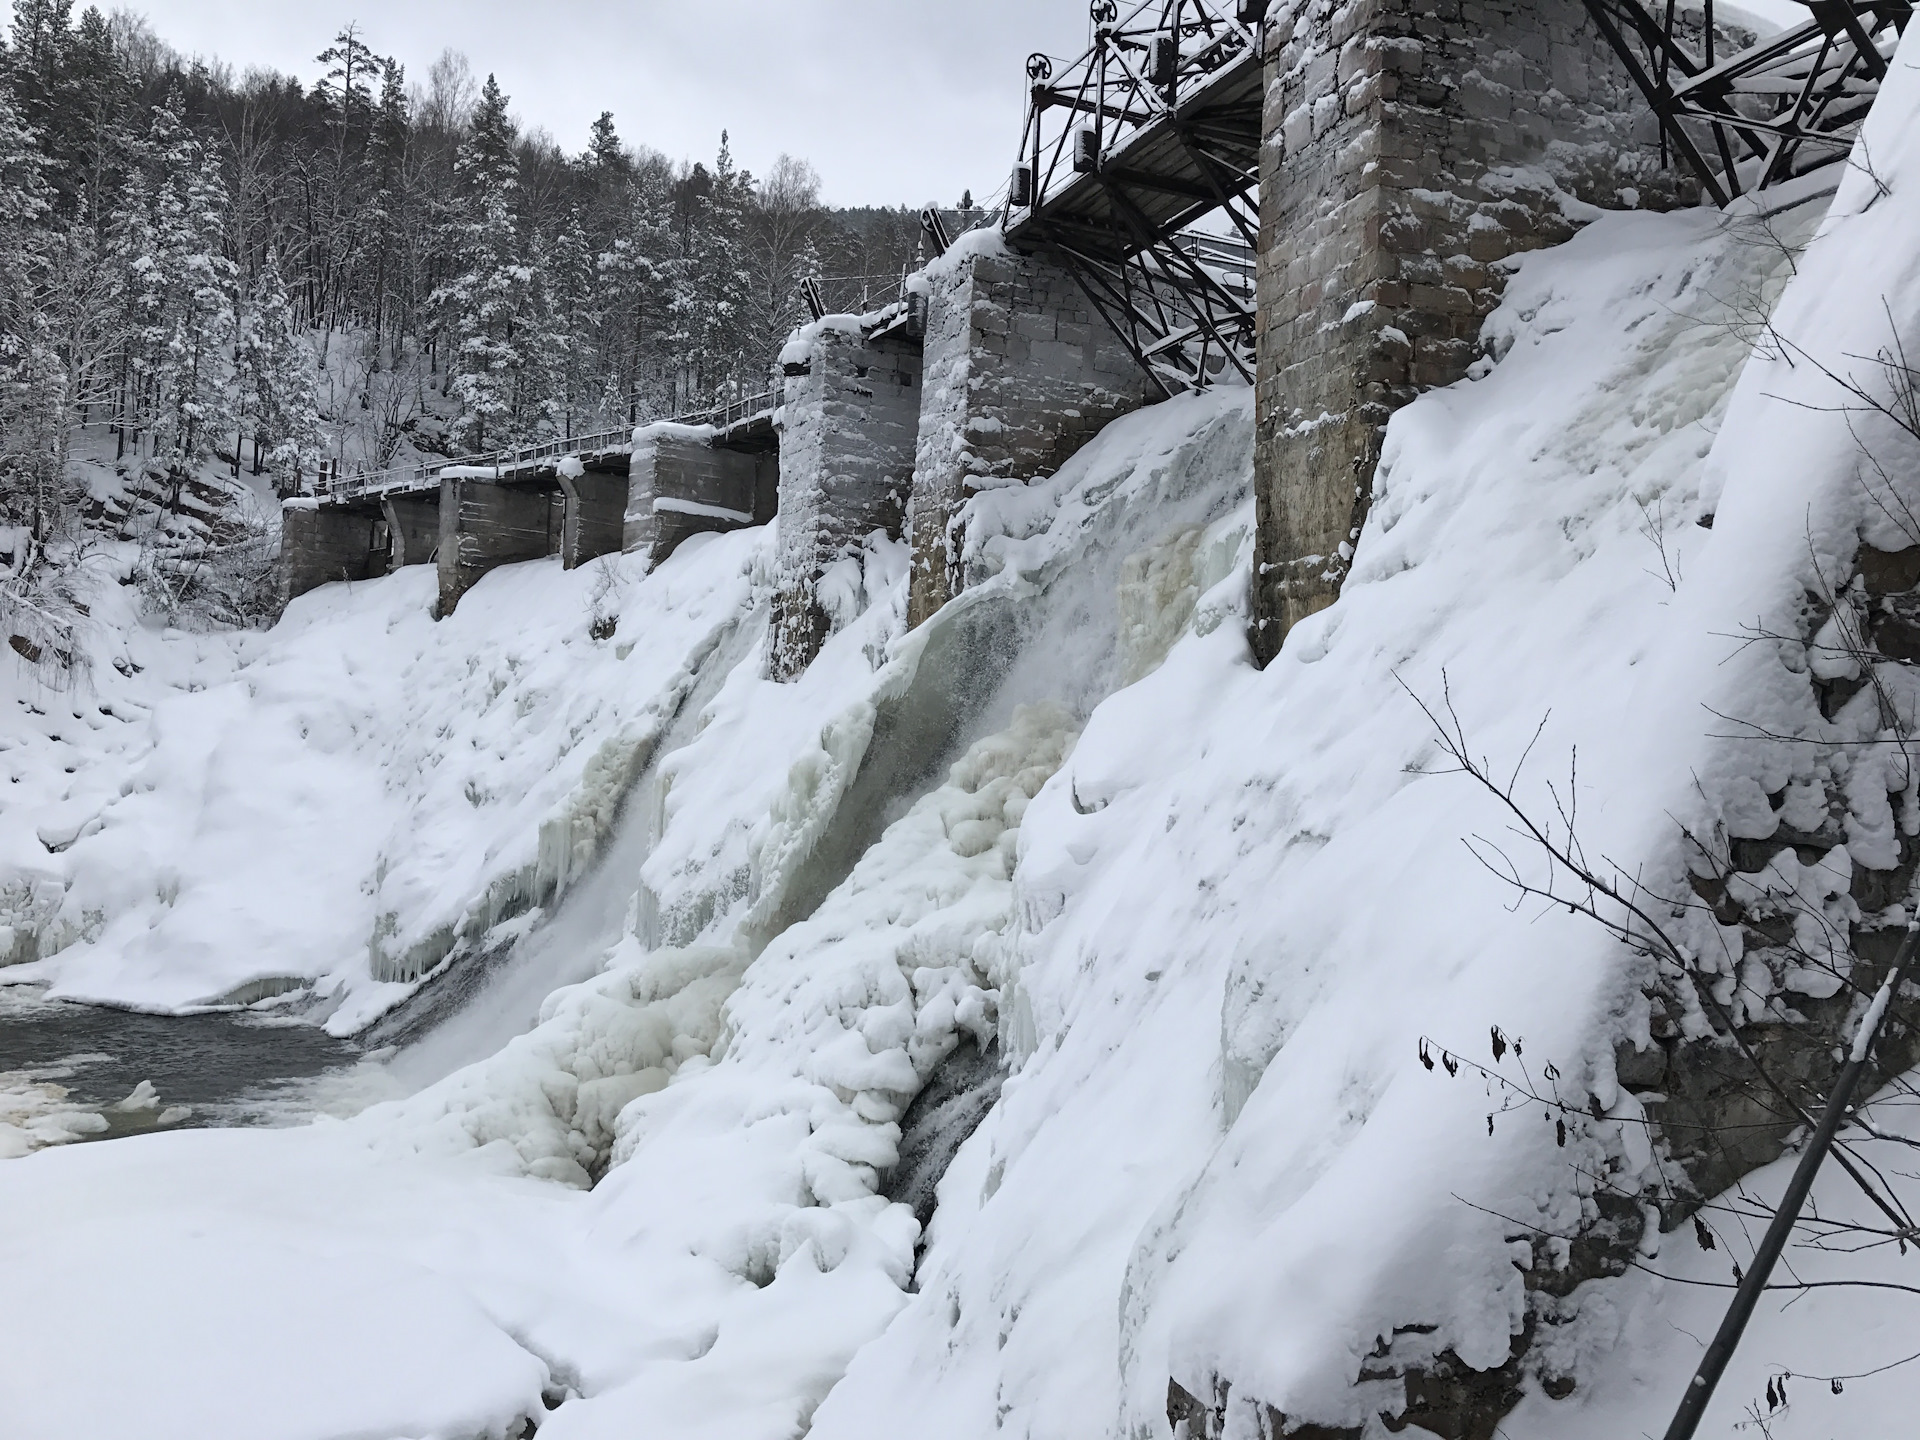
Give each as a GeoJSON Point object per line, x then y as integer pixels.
{"type": "Point", "coordinates": [594, 520]}
{"type": "Point", "coordinates": [485, 524]}
{"type": "Point", "coordinates": [1021, 371]}
{"type": "Point", "coordinates": [413, 521]}
{"type": "Point", "coordinates": [1410, 145]}
{"type": "Point", "coordinates": [692, 479]}
{"type": "Point", "coordinates": [849, 421]}
{"type": "Point", "coordinates": [319, 544]}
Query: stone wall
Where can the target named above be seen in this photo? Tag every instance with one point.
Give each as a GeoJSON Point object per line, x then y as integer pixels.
{"type": "Point", "coordinates": [1021, 371]}
{"type": "Point", "coordinates": [322, 543]}
{"type": "Point", "coordinates": [848, 421]}
{"type": "Point", "coordinates": [679, 484]}
{"type": "Point", "coordinates": [1411, 145]}
{"type": "Point", "coordinates": [484, 525]}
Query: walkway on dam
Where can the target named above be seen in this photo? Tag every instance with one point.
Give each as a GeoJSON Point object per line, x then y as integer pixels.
{"type": "Point", "coordinates": [731, 419]}
{"type": "Point", "coordinates": [640, 488]}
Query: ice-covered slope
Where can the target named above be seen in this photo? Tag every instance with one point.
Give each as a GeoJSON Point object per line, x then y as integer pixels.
{"type": "Point", "coordinates": [1246, 899]}
{"type": "Point", "coordinates": [748, 1111]}
{"type": "Point", "coordinates": [352, 790]}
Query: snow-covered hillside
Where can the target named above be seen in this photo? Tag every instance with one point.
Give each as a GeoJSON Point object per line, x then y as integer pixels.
{"type": "Point", "coordinates": [1203, 915]}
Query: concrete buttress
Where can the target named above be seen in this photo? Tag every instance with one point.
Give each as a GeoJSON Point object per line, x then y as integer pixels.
{"type": "Point", "coordinates": [594, 522]}
{"type": "Point", "coordinates": [1021, 371]}
{"type": "Point", "coordinates": [681, 483]}
{"type": "Point", "coordinates": [414, 523]}
{"type": "Point", "coordinates": [319, 544]}
{"type": "Point", "coordinates": [848, 422]}
{"type": "Point", "coordinates": [484, 525]}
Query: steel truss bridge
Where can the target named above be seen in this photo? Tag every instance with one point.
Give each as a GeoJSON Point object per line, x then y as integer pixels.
{"type": "Point", "coordinates": [1153, 130]}
{"type": "Point", "coordinates": [1759, 116]}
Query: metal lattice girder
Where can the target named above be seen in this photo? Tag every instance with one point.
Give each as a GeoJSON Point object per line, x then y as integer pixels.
{"type": "Point", "coordinates": [1764, 114]}
{"type": "Point", "coordinates": [1154, 129]}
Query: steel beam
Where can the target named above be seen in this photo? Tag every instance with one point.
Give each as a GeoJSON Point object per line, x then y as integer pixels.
{"type": "Point", "coordinates": [1775, 110]}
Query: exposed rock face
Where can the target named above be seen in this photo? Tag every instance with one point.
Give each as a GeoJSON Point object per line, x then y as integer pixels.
{"type": "Point", "coordinates": [1411, 146]}
{"type": "Point", "coordinates": [1809, 891]}
{"type": "Point", "coordinates": [1797, 906]}
{"type": "Point", "coordinates": [949, 1109]}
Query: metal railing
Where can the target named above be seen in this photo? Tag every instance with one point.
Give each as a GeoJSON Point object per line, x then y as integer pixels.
{"type": "Point", "coordinates": [1779, 108]}
{"type": "Point", "coordinates": [357, 483]}
{"type": "Point", "coordinates": [1151, 131]}
{"type": "Point", "coordinates": [730, 413]}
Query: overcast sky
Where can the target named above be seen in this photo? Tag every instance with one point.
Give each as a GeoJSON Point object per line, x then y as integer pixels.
{"type": "Point", "coordinates": [894, 101]}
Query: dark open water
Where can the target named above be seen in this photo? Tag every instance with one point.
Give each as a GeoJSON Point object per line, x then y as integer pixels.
{"type": "Point", "coordinates": [229, 1068]}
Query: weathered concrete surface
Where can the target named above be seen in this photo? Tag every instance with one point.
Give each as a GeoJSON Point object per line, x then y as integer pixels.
{"type": "Point", "coordinates": [1411, 145]}
{"type": "Point", "coordinates": [484, 525]}
{"type": "Point", "coordinates": [414, 523]}
{"type": "Point", "coordinates": [849, 420]}
{"type": "Point", "coordinates": [680, 484]}
{"type": "Point", "coordinates": [321, 543]}
{"type": "Point", "coordinates": [1021, 371]}
{"type": "Point", "coordinates": [594, 523]}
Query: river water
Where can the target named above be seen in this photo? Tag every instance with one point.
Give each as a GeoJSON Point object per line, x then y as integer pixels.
{"type": "Point", "coordinates": [244, 1067]}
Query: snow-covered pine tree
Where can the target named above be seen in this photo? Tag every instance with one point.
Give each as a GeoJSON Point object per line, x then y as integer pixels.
{"type": "Point", "coordinates": [568, 326]}
{"type": "Point", "coordinates": [33, 387]}
{"type": "Point", "coordinates": [275, 374]}
{"type": "Point", "coordinates": [35, 63]}
{"type": "Point", "coordinates": [710, 317]}
{"type": "Point", "coordinates": [128, 258]}
{"type": "Point", "coordinates": [490, 301]}
{"type": "Point", "coordinates": [632, 281]}
{"type": "Point", "coordinates": [387, 212]}
{"type": "Point", "coordinates": [107, 103]}
{"type": "Point", "coordinates": [706, 332]}
{"type": "Point", "coordinates": [187, 297]}
{"type": "Point", "coordinates": [346, 98]}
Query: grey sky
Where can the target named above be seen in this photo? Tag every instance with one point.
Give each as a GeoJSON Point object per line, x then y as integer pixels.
{"type": "Point", "coordinates": [894, 101]}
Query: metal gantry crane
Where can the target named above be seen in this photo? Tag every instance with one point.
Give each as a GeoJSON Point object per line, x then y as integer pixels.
{"type": "Point", "coordinates": [1153, 131]}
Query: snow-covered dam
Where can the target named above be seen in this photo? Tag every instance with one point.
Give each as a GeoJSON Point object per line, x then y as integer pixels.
{"type": "Point", "coordinates": [1266, 805]}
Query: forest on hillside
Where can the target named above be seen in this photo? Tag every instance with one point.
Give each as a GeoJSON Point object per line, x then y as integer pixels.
{"type": "Point", "coordinates": [200, 270]}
